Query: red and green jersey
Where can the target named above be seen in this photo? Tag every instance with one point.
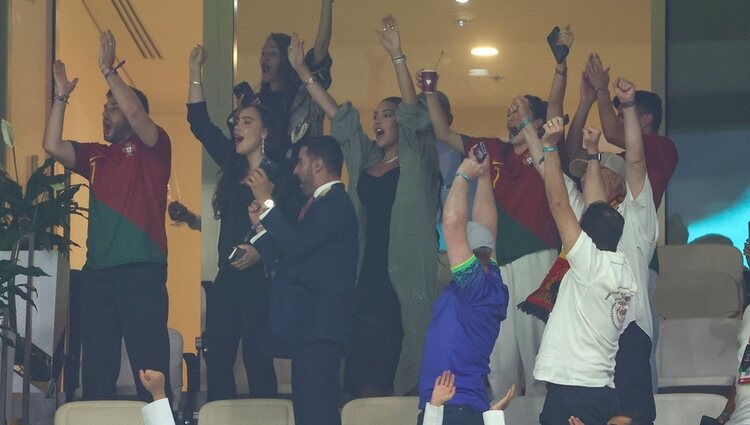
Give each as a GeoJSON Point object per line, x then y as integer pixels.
{"type": "Point", "coordinates": [525, 223]}
{"type": "Point", "coordinates": [127, 200]}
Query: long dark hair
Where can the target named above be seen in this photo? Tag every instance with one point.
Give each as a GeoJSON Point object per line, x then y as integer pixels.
{"type": "Point", "coordinates": [229, 189]}
{"type": "Point", "coordinates": [287, 74]}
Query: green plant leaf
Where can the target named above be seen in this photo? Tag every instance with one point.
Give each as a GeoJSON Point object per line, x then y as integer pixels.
{"type": "Point", "coordinates": [8, 134]}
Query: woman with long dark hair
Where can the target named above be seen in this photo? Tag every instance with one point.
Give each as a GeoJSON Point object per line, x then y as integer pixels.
{"type": "Point", "coordinates": [237, 306]}
{"type": "Point", "coordinates": [281, 88]}
{"type": "Point", "coordinates": [393, 182]}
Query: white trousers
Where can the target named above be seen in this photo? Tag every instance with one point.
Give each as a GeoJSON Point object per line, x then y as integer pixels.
{"type": "Point", "coordinates": [514, 356]}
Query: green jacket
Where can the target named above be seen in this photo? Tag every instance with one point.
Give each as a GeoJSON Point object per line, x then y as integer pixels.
{"type": "Point", "coordinates": [412, 250]}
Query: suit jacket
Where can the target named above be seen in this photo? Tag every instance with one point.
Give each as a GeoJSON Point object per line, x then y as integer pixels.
{"type": "Point", "coordinates": [315, 268]}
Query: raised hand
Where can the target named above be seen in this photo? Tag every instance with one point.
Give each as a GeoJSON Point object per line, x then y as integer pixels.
{"type": "Point", "coordinates": [472, 168]}
{"type": "Point", "coordinates": [444, 389]}
{"type": "Point", "coordinates": [591, 138]}
{"type": "Point", "coordinates": [153, 381]}
{"type": "Point", "coordinates": [62, 84]}
{"type": "Point", "coordinates": [624, 90]}
{"type": "Point", "coordinates": [566, 37]}
{"type": "Point", "coordinates": [574, 421]}
{"type": "Point", "coordinates": [595, 72]}
{"type": "Point", "coordinates": [198, 57]}
{"type": "Point", "coordinates": [553, 130]}
{"type": "Point", "coordinates": [296, 53]}
{"type": "Point", "coordinates": [503, 403]}
{"type": "Point", "coordinates": [588, 93]}
{"type": "Point", "coordinates": [389, 36]}
{"type": "Point", "coordinates": [107, 46]}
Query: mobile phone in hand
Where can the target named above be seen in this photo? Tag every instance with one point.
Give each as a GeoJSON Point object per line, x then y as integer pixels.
{"type": "Point", "coordinates": [560, 51]}
{"type": "Point", "coordinates": [480, 151]}
{"type": "Point", "coordinates": [236, 254]}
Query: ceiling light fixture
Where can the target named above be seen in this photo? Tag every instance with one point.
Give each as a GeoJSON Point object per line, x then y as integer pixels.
{"type": "Point", "coordinates": [479, 72]}
{"type": "Point", "coordinates": [462, 1]}
{"type": "Point", "coordinates": [484, 51]}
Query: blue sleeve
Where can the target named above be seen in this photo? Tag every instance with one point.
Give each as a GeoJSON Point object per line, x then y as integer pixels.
{"type": "Point", "coordinates": [477, 288]}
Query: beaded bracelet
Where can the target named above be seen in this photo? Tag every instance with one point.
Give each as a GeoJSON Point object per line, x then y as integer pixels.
{"type": "Point", "coordinates": [627, 104]}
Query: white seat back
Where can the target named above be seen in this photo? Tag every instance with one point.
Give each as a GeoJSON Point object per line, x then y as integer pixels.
{"type": "Point", "coordinates": [100, 412]}
{"type": "Point", "coordinates": [381, 411]}
{"type": "Point", "coordinates": [247, 412]}
{"type": "Point", "coordinates": [693, 352]}
{"type": "Point", "coordinates": [700, 280]}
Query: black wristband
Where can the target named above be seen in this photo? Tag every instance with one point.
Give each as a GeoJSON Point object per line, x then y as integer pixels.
{"type": "Point", "coordinates": [596, 156]}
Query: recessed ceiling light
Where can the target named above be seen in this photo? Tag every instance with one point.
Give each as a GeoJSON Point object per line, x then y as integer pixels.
{"type": "Point", "coordinates": [479, 72]}
{"type": "Point", "coordinates": [484, 51]}
{"type": "Point", "coordinates": [462, 1]}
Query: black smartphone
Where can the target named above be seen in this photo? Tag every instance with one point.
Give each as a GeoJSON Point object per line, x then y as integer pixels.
{"type": "Point", "coordinates": [560, 51]}
{"type": "Point", "coordinates": [236, 254]}
{"type": "Point", "coordinates": [480, 151]}
{"type": "Point", "coordinates": [243, 90]}
{"type": "Point", "coordinates": [566, 120]}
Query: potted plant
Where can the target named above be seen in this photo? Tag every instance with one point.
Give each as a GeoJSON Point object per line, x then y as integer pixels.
{"type": "Point", "coordinates": [30, 215]}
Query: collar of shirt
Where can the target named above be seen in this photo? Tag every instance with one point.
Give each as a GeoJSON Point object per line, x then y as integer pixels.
{"type": "Point", "coordinates": [325, 187]}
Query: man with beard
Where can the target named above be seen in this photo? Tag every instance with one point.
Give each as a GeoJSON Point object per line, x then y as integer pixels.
{"type": "Point", "coordinates": [123, 293]}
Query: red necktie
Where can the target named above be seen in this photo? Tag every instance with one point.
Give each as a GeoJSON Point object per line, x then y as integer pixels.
{"type": "Point", "coordinates": [304, 209]}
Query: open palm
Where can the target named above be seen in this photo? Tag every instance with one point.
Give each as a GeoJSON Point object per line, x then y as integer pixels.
{"type": "Point", "coordinates": [62, 84]}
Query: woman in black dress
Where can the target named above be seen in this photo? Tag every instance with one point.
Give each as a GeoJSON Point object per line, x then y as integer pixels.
{"type": "Point", "coordinates": [237, 307]}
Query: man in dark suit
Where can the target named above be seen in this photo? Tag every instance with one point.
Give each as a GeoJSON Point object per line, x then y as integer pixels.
{"type": "Point", "coordinates": [315, 265]}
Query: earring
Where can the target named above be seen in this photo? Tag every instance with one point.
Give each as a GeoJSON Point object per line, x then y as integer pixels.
{"type": "Point", "coordinates": [263, 144]}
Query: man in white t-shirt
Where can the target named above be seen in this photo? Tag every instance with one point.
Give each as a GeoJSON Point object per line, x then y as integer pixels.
{"type": "Point", "coordinates": [623, 184]}
{"type": "Point", "coordinates": [628, 188]}
{"type": "Point", "coordinates": [598, 295]}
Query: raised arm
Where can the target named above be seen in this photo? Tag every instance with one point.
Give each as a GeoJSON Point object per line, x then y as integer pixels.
{"type": "Point", "coordinates": [484, 210]}
{"type": "Point", "coordinates": [521, 108]}
{"type": "Point", "coordinates": [390, 38]}
{"type": "Point", "coordinates": [599, 78]}
{"type": "Point", "coordinates": [319, 94]}
{"type": "Point", "coordinates": [127, 101]}
{"type": "Point", "coordinates": [557, 194]}
{"type": "Point", "coordinates": [198, 57]}
{"type": "Point", "coordinates": [441, 120]}
{"type": "Point", "coordinates": [560, 79]}
{"type": "Point", "coordinates": [59, 149]}
{"type": "Point", "coordinates": [323, 39]}
{"type": "Point", "coordinates": [635, 160]}
{"type": "Point", "coordinates": [574, 138]}
{"type": "Point", "coordinates": [593, 190]}
{"type": "Point", "coordinates": [455, 211]}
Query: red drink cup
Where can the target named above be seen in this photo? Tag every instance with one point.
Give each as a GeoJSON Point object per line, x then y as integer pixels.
{"type": "Point", "coordinates": [429, 80]}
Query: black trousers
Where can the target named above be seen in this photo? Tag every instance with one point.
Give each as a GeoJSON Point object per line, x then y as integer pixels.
{"type": "Point", "coordinates": [590, 405]}
{"type": "Point", "coordinates": [130, 302]}
{"type": "Point", "coordinates": [315, 382]}
{"type": "Point", "coordinates": [633, 373]}
{"type": "Point", "coordinates": [237, 309]}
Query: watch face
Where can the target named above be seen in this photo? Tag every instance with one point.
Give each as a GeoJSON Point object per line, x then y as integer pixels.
{"type": "Point", "coordinates": [268, 203]}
